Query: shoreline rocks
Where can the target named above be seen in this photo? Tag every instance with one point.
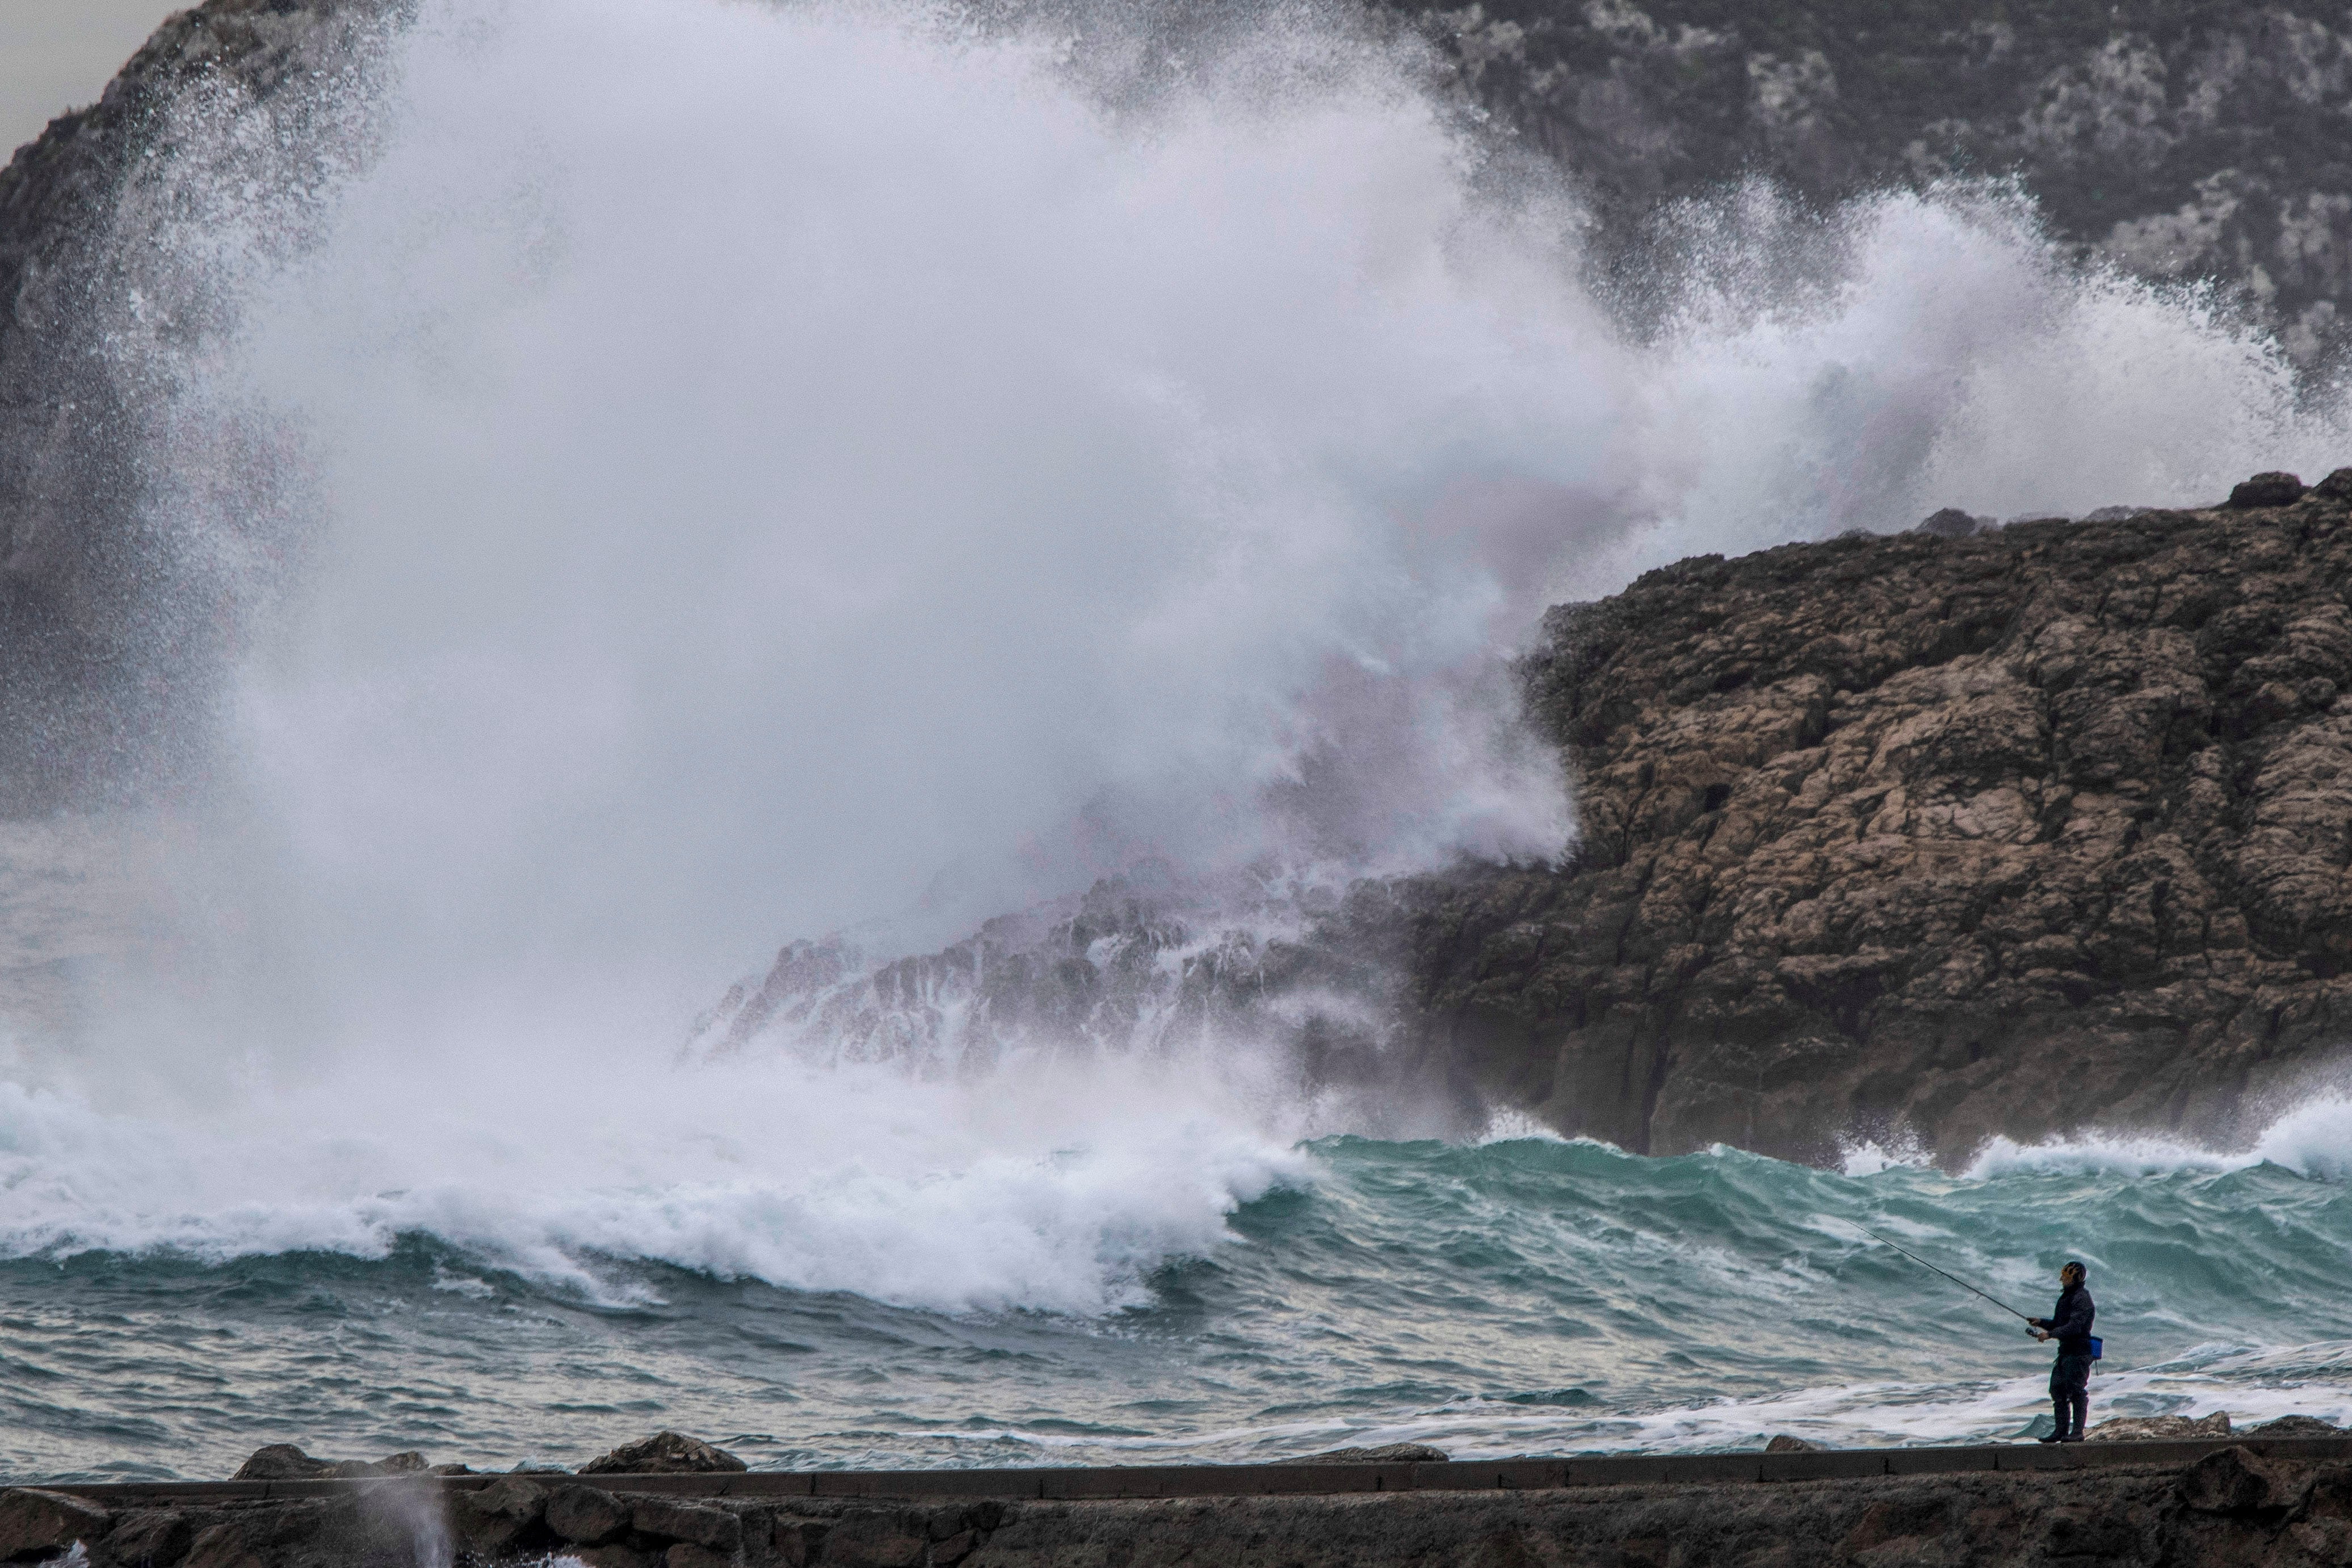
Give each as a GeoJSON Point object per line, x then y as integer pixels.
{"type": "Point", "coordinates": [2234, 1505]}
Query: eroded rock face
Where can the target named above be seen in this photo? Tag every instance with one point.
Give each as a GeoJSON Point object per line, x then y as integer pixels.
{"type": "Point", "coordinates": [105, 641]}
{"type": "Point", "coordinates": [2007, 834]}
{"type": "Point", "coordinates": [2180, 144]}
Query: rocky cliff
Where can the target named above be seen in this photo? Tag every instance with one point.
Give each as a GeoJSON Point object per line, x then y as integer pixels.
{"type": "Point", "coordinates": [100, 663]}
{"type": "Point", "coordinates": [1929, 837]}
{"type": "Point", "coordinates": [2010, 833]}
{"type": "Point", "coordinates": [2181, 140]}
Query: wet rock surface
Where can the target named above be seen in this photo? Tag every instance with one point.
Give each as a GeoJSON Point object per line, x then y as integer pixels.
{"type": "Point", "coordinates": [664, 1453]}
{"type": "Point", "coordinates": [1931, 837]}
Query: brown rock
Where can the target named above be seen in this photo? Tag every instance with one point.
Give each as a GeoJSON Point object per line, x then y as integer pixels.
{"type": "Point", "coordinates": [619, 1554]}
{"type": "Point", "coordinates": [2009, 833]}
{"type": "Point", "coordinates": [153, 1538]}
{"type": "Point", "coordinates": [2331, 1492]}
{"type": "Point", "coordinates": [797, 1543]}
{"type": "Point", "coordinates": [2235, 1481]}
{"type": "Point", "coordinates": [2275, 488]}
{"type": "Point", "coordinates": [407, 1462]}
{"type": "Point", "coordinates": [265, 1537]}
{"type": "Point", "coordinates": [664, 1453]}
{"type": "Point", "coordinates": [1381, 1454]}
{"type": "Point", "coordinates": [2296, 1426]}
{"type": "Point", "coordinates": [702, 1525]}
{"type": "Point", "coordinates": [686, 1554]}
{"type": "Point", "coordinates": [280, 1462]}
{"type": "Point", "coordinates": [489, 1522]}
{"type": "Point", "coordinates": [1785, 1444]}
{"type": "Point", "coordinates": [2336, 487]}
{"type": "Point", "coordinates": [1951, 523]}
{"type": "Point", "coordinates": [2139, 1428]}
{"type": "Point", "coordinates": [586, 1514]}
{"type": "Point", "coordinates": [873, 1541]}
{"type": "Point", "coordinates": [35, 1521]}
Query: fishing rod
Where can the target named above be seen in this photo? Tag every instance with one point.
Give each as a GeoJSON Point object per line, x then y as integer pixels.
{"type": "Point", "coordinates": [1954, 1279]}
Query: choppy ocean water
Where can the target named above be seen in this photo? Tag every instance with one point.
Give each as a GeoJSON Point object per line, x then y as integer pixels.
{"type": "Point", "coordinates": [1523, 1295]}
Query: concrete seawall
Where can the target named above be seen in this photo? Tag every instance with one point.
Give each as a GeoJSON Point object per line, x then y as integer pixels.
{"type": "Point", "coordinates": [2279, 1502]}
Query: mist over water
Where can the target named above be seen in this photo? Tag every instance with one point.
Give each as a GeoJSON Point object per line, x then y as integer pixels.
{"type": "Point", "coordinates": [680, 476]}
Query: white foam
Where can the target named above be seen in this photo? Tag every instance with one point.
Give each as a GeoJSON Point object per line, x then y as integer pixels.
{"type": "Point", "coordinates": [1062, 1192]}
{"type": "Point", "coordinates": [1869, 1157]}
{"type": "Point", "coordinates": [2313, 1139]}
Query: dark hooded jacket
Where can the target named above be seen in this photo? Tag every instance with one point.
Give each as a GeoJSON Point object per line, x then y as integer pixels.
{"type": "Point", "coordinates": [2070, 1322]}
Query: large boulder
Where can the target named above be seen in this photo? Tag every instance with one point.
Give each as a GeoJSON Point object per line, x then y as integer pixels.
{"type": "Point", "coordinates": [489, 1522]}
{"type": "Point", "coordinates": [585, 1515]}
{"type": "Point", "coordinates": [664, 1453]}
{"type": "Point", "coordinates": [2238, 1481]}
{"type": "Point", "coordinates": [281, 1462]}
{"type": "Point", "coordinates": [33, 1521]}
{"type": "Point", "coordinates": [665, 1519]}
{"type": "Point", "coordinates": [2275, 488]}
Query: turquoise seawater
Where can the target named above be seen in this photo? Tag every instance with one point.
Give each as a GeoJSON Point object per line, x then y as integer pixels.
{"type": "Point", "coordinates": [1518, 1296]}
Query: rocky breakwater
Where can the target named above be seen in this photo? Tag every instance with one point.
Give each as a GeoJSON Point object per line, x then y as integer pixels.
{"type": "Point", "coordinates": [2281, 1504]}
{"type": "Point", "coordinates": [1948, 834]}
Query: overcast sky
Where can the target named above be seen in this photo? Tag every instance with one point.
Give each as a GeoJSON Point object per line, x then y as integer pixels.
{"type": "Point", "coordinates": [57, 55]}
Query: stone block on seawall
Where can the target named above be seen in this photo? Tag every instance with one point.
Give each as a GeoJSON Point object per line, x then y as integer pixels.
{"type": "Point", "coordinates": [35, 1521]}
{"type": "Point", "coordinates": [875, 1541]}
{"type": "Point", "coordinates": [157, 1535]}
{"type": "Point", "coordinates": [664, 1453]}
{"type": "Point", "coordinates": [489, 1522]}
{"type": "Point", "coordinates": [587, 1515]}
{"type": "Point", "coordinates": [704, 1526]}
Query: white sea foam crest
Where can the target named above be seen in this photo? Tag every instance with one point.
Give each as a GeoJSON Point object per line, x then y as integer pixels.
{"type": "Point", "coordinates": [763, 468]}
{"type": "Point", "coordinates": [2313, 1139]}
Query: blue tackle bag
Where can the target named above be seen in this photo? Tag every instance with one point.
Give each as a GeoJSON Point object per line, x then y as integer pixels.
{"type": "Point", "coordinates": [2098, 1347]}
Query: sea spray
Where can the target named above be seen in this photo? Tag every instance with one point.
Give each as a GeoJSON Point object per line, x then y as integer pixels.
{"type": "Point", "coordinates": [681, 477]}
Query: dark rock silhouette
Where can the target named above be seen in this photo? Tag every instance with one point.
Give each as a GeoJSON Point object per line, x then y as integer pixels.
{"type": "Point", "coordinates": [663, 1454]}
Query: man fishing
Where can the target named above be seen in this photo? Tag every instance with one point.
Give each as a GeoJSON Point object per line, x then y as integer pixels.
{"type": "Point", "coordinates": [2069, 1376]}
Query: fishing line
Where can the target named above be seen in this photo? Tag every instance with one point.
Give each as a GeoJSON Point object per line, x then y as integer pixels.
{"type": "Point", "coordinates": [1954, 1279]}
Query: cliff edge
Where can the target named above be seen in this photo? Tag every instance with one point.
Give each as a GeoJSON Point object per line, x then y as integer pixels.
{"type": "Point", "coordinates": [2011, 832]}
